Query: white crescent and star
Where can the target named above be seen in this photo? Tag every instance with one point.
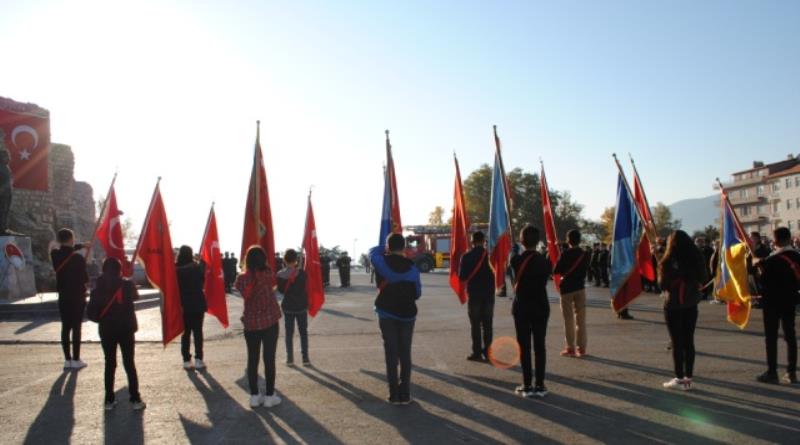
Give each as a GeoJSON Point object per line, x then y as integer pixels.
{"type": "Point", "coordinates": [25, 154]}
{"type": "Point", "coordinates": [114, 222]}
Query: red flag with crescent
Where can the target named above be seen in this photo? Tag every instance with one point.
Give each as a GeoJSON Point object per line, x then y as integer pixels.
{"type": "Point", "coordinates": [553, 250]}
{"type": "Point", "coordinates": [312, 264]}
{"type": "Point", "coordinates": [258, 216]}
{"type": "Point", "coordinates": [155, 253]}
{"type": "Point", "coordinates": [214, 281]}
{"type": "Point", "coordinates": [459, 237]}
{"type": "Point", "coordinates": [26, 135]}
{"type": "Point", "coordinates": [109, 233]}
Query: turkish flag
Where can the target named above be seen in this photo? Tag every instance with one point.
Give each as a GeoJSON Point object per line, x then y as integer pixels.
{"type": "Point", "coordinates": [26, 136]}
{"type": "Point", "coordinates": [553, 250]}
{"type": "Point", "coordinates": [459, 238]}
{"type": "Point", "coordinates": [397, 224]}
{"type": "Point", "coordinates": [214, 281]}
{"type": "Point", "coordinates": [312, 264]}
{"type": "Point", "coordinates": [257, 215]}
{"type": "Point", "coordinates": [155, 253]}
{"type": "Point", "coordinates": [645, 256]}
{"type": "Point", "coordinates": [109, 233]}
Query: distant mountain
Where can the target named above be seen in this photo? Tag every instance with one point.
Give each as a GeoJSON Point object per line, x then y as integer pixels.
{"type": "Point", "coordinates": [696, 213]}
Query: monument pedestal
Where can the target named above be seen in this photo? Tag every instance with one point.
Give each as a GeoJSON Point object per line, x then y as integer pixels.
{"type": "Point", "coordinates": [16, 268]}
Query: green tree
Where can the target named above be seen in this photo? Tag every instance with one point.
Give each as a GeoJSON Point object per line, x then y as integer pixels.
{"type": "Point", "coordinates": [477, 192]}
{"type": "Point", "coordinates": [436, 216]}
{"type": "Point", "coordinates": [607, 221]}
{"type": "Point", "coordinates": [593, 231]}
{"type": "Point", "coordinates": [662, 218]}
{"type": "Point", "coordinates": [710, 233]}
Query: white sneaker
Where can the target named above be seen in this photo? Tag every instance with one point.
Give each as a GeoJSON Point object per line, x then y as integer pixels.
{"type": "Point", "coordinates": [256, 400]}
{"type": "Point", "coordinates": [187, 365]}
{"type": "Point", "coordinates": [138, 406]}
{"type": "Point", "coordinates": [78, 364]}
{"type": "Point", "coordinates": [270, 401]}
{"type": "Point", "coordinates": [67, 365]}
{"type": "Point", "coordinates": [675, 383]}
{"type": "Point", "coordinates": [198, 364]}
{"type": "Point", "coordinates": [108, 406]}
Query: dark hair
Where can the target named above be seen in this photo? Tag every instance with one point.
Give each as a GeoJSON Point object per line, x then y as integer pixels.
{"type": "Point", "coordinates": [290, 256]}
{"type": "Point", "coordinates": [112, 267]}
{"type": "Point", "coordinates": [256, 259]}
{"type": "Point", "coordinates": [782, 235]}
{"type": "Point", "coordinates": [185, 256]}
{"type": "Point", "coordinates": [396, 242]}
{"type": "Point", "coordinates": [65, 235]}
{"type": "Point", "coordinates": [529, 236]}
{"type": "Point", "coordinates": [755, 235]}
{"type": "Point", "coordinates": [681, 250]}
{"type": "Point", "coordinates": [574, 237]}
{"type": "Point", "coordinates": [478, 236]}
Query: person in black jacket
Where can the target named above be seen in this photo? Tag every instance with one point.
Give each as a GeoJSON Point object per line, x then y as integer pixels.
{"type": "Point", "coordinates": [778, 281]}
{"type": "Point", "coordinates": [292, 284]}
{"type": "Point", "coordinates": [343, 263]}
{"type": "Point", "coordinates": [399, 287]}
{"type": "Point", "coordinates": [111, 305]}
{"type": "Point", "coordinates": [681, 273]}
{"type": "Point", "coordinates": [191, 276]}
{"type": "Point", "coordinates": [572, 266]}
{"type": "Point", "coordinates": [531, 310]}
{"type": "Point", "coordinates": [475, 271]}
{"type": "Point", "coordinates": [71, 280]}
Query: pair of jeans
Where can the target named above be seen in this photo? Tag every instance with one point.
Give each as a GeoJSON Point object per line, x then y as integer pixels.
{"type": "Point", "coordinates": [264, 342]}
{"type": "Point", "coordinates": [397, 336]}
{"type": "Point", "coordinates": [301, 318]}
{"type": "Point", "coordinates": [785, 316]}
{"type": "Point", "coordinates": [532, 327]}
{"type": "Point", "coordinates": [573, 308]}
{"type": "Point", "coordinates": [681, 324]}
{"type": "Point", "coordinates": [126, 341]}
{"type": "Point", "coordinates": [481, 314]}
{"type": "Point", "coordinates": [192, 327]}
{"type": "Point", "coordinates": [71, 313]}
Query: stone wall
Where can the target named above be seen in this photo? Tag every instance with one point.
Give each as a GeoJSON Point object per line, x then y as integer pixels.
{"type": "Point", "coordinates": [67, 203]}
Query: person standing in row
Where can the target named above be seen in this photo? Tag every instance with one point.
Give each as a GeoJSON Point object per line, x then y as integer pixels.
{"type": "Point", "coordinates": [260, 319]}
{"type": "Point", "coordinates": [111, 306]}
{"type": "Point", "coordinates": [71, 280]}
{"type": "Point", "coordinates": [572, 266]}
{"type": "Point", "coordinates": [399, 287]}
{"type": "Point", "coordinates": [292, 284]}
{"type": "Point", "coordinates": [531, 310]}
{"type": "Point", "coordinates": [191, 276]}
{"type": "Point", "coordinates": [681, 273]}
{"type": "Point", "coordinates": [343, 263]}
{"type": "Point", "coordinates": [779, 276]}
{"type": "Point", "coordinates": [474, 270]}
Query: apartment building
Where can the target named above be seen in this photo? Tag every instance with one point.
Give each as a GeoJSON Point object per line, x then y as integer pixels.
{"type": "Point", "coordinates": [767, 195]}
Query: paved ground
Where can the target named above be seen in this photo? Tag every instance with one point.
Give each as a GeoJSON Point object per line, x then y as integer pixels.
{"type": "Point", "coordinates": [614, 396]}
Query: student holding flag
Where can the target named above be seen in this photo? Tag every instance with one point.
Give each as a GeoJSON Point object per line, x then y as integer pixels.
{"type": "Point", "coordinates": [476, 274]}
{"type": "Point", "coordinates": [292, 284]}
{"type": "Point", "coordinates": [191, 278]}
{"type": "Point", "coordinates": [572, 266]}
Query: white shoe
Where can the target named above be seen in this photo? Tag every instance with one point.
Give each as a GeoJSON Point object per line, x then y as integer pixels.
{"type": "Point", "coordinates": [108, 406]}
{"type": "Point", "coordinates": [67, 365]}
{"type": "Point", "coordinates": [138, 406]}
{"type": "Point", "coordinates": [187, 365]}
{"type": "Point", "coordinates": [256, 400]}
{"type": "Point", "coordinates": [687, 384]}
{"type": "Point", "coordinates": [270, 401]}
{"type": "Point", "coordinates": [78, 364]}
{"type": "Point", "coordinates": [675, 383]}
{"type": "Point", "coordinates": [198, 364]}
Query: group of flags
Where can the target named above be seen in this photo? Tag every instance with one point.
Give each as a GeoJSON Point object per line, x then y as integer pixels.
{"type": "Point", "coordinates": [155, 250]}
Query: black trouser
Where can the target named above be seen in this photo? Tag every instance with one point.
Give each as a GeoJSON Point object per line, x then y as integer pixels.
{"type": "Point", "coordinates": [681, 324]}
{"type": "Point", "coordinates": [126, 341]}
{"type": "Point", "coordinates": [481, 313]}
{"type": "Point", "coordinates": [604, 275]}
{"type": "Point", "coordinates": [192, 326]}
{"type": "Point", "coordinates": [302, 326]}
{"type": "Point", "coordinates": [344, 276]}
{"type": "Point", "coordinates": [256, 340]}
{"type": "Point", "coordinates": [785, 316]}
{"type": "Point", "coordinates": [397, 337]}
{"type": "Point", "coordinates": [71, 309]}
{"type": "Point", "coordinates": [532, 326]}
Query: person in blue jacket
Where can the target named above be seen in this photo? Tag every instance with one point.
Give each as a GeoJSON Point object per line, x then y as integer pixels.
{"type": "Point", "coordinates": [399, 287]}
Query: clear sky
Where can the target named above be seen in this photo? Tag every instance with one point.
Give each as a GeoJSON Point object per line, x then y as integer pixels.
{"type": "Point", "coordinates": [693, 90]}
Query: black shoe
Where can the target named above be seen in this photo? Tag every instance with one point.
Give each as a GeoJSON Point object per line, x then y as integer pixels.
{"type": "Point", "coordinates": [405, 400]}
{"type": "Point", "coordinates": [290, 362]}
{"type": "Point", "coordinates": [307, 362]}
{"type": "Point", "coordinates": [539, 391]}
{"type": "Point", "coordinates": [394, 400]}
{"type": "Point", "coordinates": [475, 357]}
{"type": "Point", "coordinates": [790, 377]}
{"type": "Point", "coordinates": [766, 377]}
{"type": "Point", "coordinates": [626, 317]}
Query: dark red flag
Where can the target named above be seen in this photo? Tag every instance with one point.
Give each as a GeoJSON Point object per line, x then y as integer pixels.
{"type": "Point", "coordinates": [645, 255]}
{"type": "Point", "coordinates": [553, 250]}
{"type": "Point", "coordinates": [459, 237]}
{"type": "Point", "coordinates": [25, 132]}
{"type": "Point", "coordinates": [109, 231]}
{"type": "Point", "coordinates": [257, 215]}
{"type": "Point", "coordinates": [214, 281]}
{"type": "Point", "coordinates": [154, 251]}
{"type": "Point", "coordinates": [312, 264]}
{"type": "Point", "coordinates": [397, 224]}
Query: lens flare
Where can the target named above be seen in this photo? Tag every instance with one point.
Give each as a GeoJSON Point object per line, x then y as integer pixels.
{"type": "Point", "coordinates": [504, 352]}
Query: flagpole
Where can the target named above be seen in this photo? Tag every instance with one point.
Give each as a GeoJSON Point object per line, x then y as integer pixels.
{"type": "Point", "coordinates": [628, 187]}
{"type": "Point", "coordinates": [547, 189]}
{"type": "Point", "coordinates": [649, 225]}
{"type": "Point", "coordinates": [748, 241]}
{"type": "Point", "coordinates": [100, 216]}
{"type": "Point", "coordinates": [146, 221]}
{"type": "Point", "coordinates": [506, 189]}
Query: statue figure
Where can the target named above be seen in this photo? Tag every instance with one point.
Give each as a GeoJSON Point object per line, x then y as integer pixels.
{"type": "Point", "coordinates": [6, 182]}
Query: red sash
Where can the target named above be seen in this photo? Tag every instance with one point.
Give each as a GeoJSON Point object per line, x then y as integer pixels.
{"type": "Point", "coordinates": [574, 266]}
{"type": "Point", "coordinates": [477, 267]}
{"type": "Point", "coordinates": [290, 281]}
{"type": "Point", "coordinates": [117, 297]}
{"type": "Point", "coordinates": [791, 264]}
{"type": "Point", "coordinates": [65, 261]}
{"type": "Point", "coordinates": [521, 271]}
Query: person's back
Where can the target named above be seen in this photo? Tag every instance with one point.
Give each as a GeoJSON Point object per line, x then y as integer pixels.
{"type": "Point", "coordinates": [71, 272]}
{"type": "Point", "coordinates": [474, 269]}
{"type": "Point", "coordinates": [572, 266]}
{"type": "Point", "coordinates": [531, 287]}
{"type": "Point", "coordinates": [779, 279]}
{"type": "Point", "coordinates": [292, 284]}
{"type": "Point", "coordinates": [398, 295]}
{"type": "Point", "coordinates": [120, 316]}
{"type": "Point", "coordinates": [191, 277]}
